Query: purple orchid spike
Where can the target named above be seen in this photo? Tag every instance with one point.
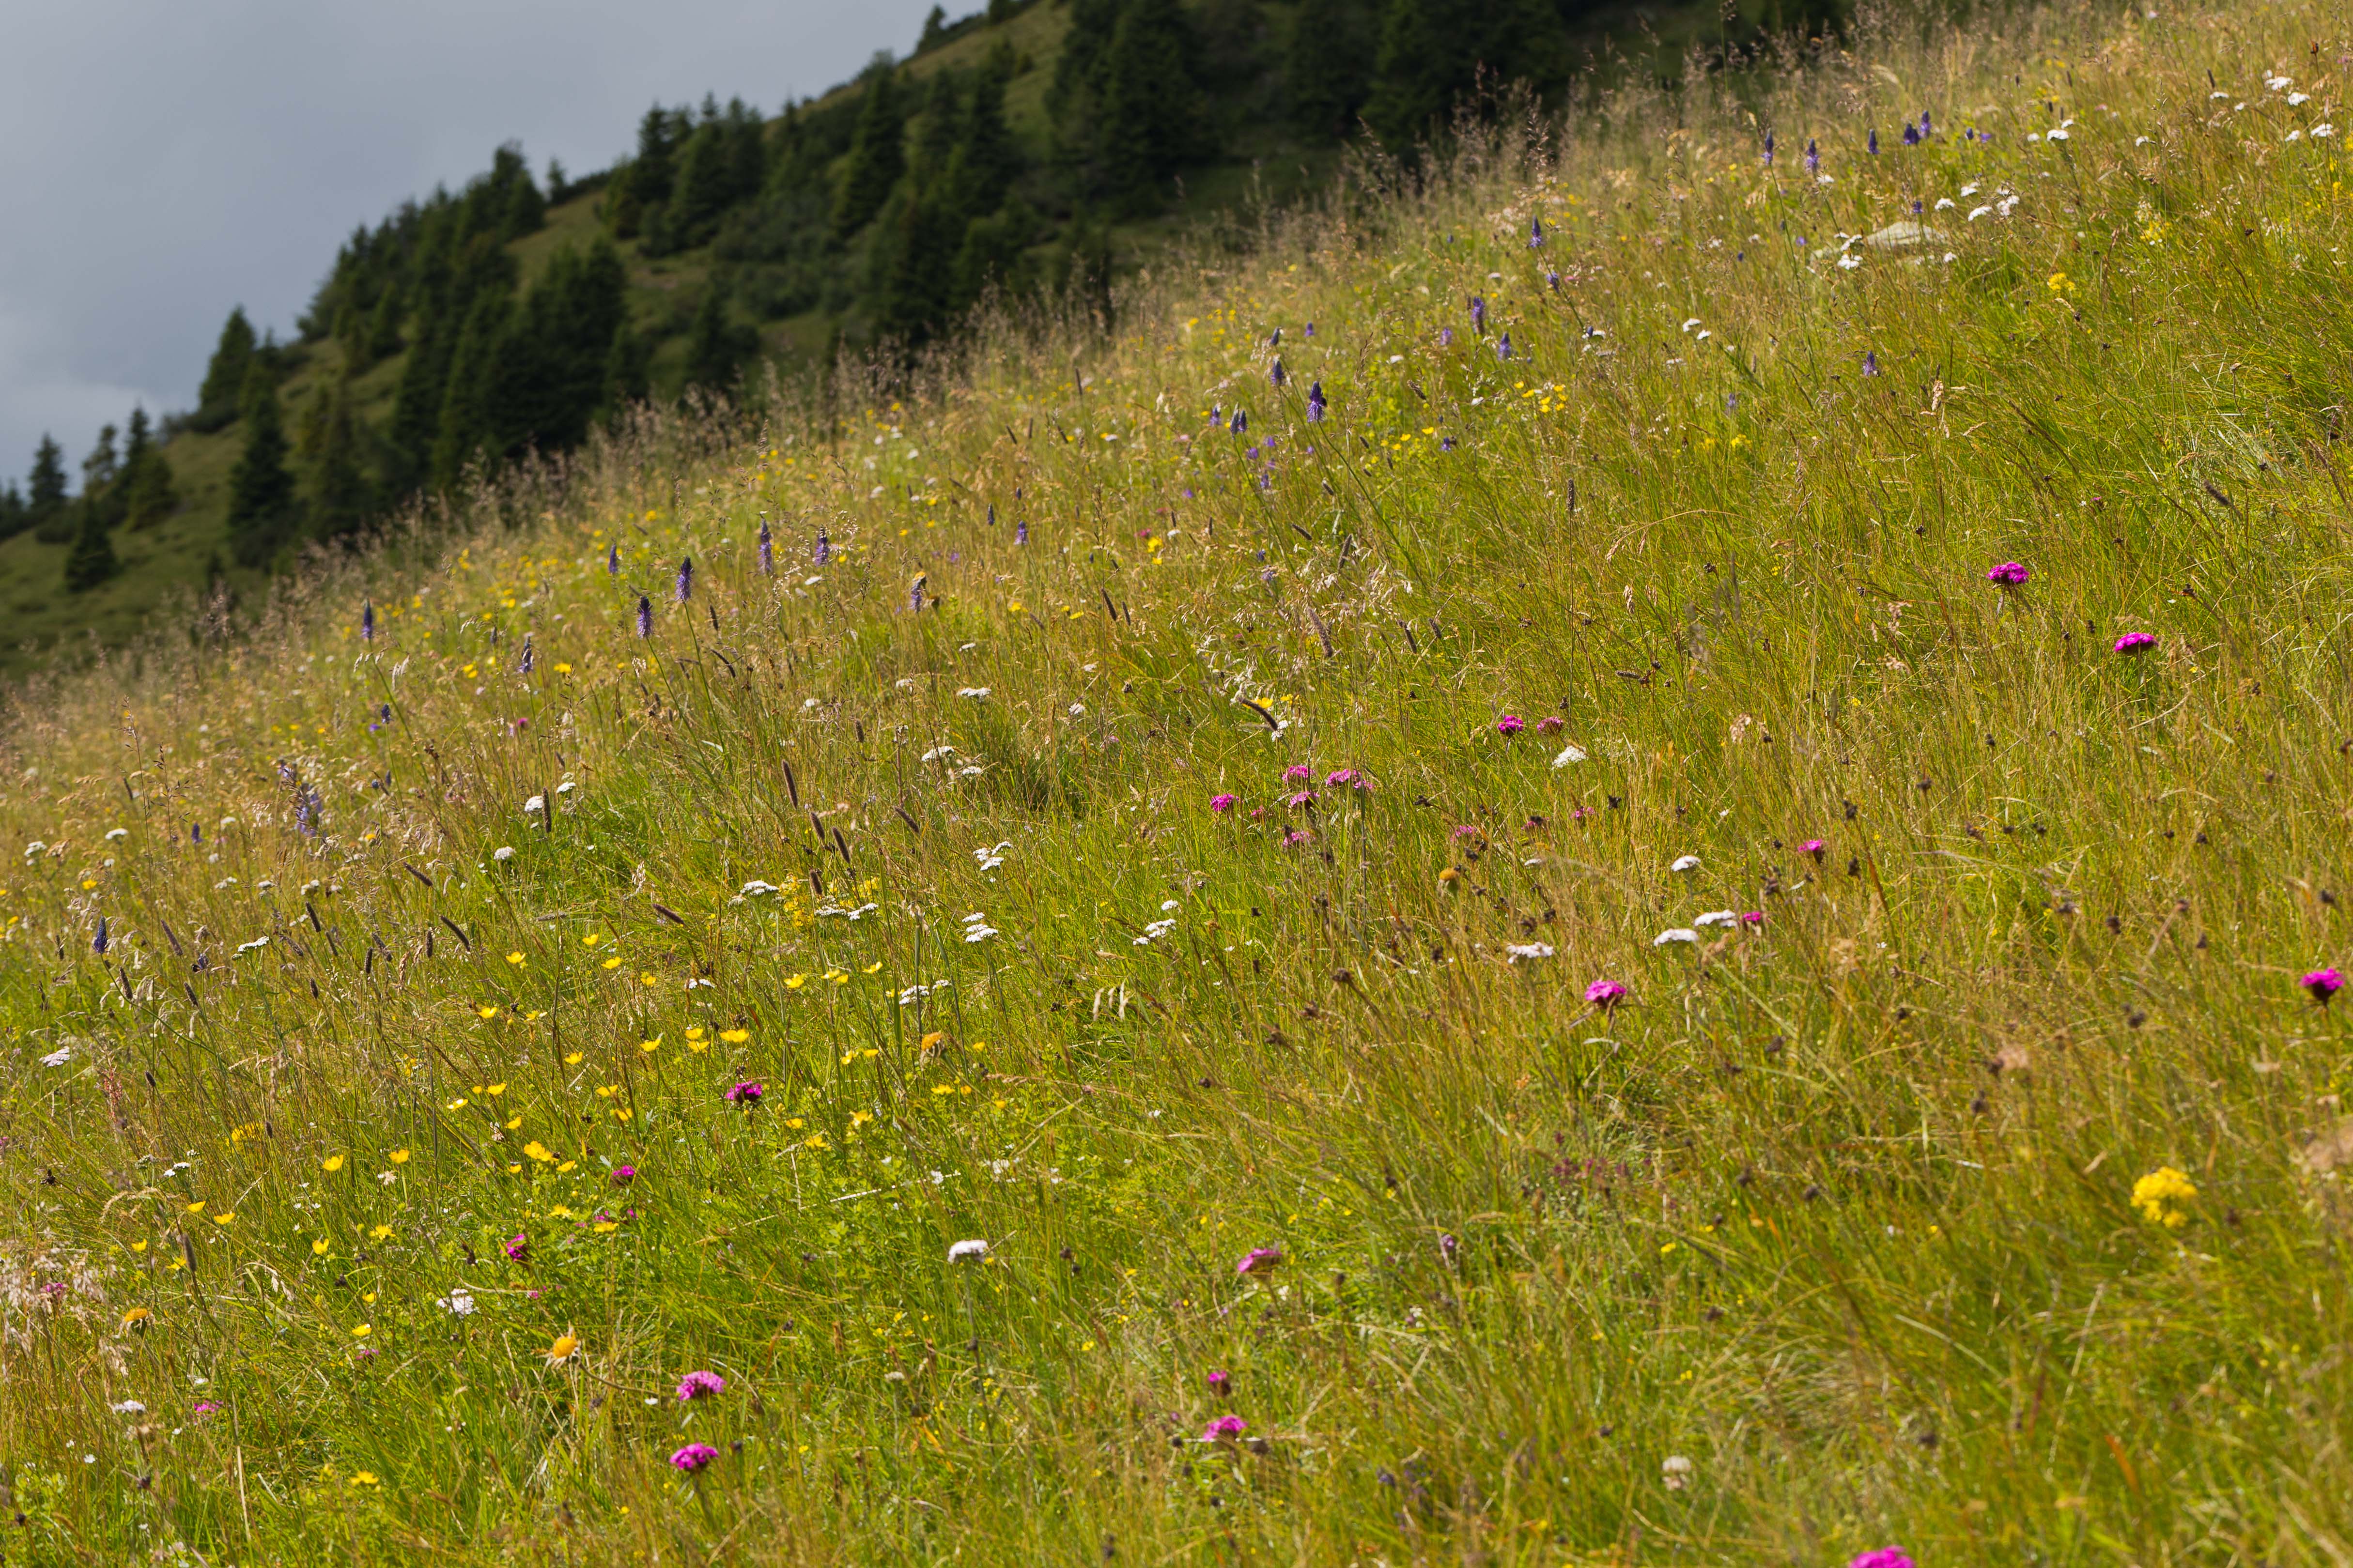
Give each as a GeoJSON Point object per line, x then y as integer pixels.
{"type": "Point", "coordinates": [822, 552]}
{"type": "Point", "coordinates": [645, 617]}
{"type": "Point", "coordinates": [1769, 148]}
{"type": "Point", "coordinates": [768, 549]}
{"type": "Point", "coordinates": [685, 589]}
{"type": "Point", "coordinates": [1813, 158]}
{"type": "Point", "coordinates": [367, 620]}
{"type": "Point", "coordinates": [1315, 404]}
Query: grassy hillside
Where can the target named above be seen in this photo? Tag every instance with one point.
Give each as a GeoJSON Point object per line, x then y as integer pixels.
{"type": "Point", "coordinates": [1552, 966]}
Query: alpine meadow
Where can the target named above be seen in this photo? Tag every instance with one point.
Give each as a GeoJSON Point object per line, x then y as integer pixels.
{"type": "Point", "coordinates": [1632, 849]}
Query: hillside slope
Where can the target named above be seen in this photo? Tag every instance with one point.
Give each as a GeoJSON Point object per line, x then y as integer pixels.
{"type": "Point", "coordinates": [1710, 938]}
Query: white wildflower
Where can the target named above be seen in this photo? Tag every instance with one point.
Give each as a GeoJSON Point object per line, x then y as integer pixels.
{"type": "Point", "coordinates": [972, 1251]}
{"type": "Point", "coordinates": [1685, 863]}
{"type": "Point", "coordinates": [1572, 753]}
{"type": "Point", "coordinates": [1520, 950]}
{"type": "Point", "coordinates": [1680, 934]}
{"type": "Point", "coordinates": [504, 852]}
{"type": "Point", "coordinates": [58, 1058]}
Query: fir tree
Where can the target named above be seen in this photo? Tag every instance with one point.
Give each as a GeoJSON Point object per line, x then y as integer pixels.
{"type": "Point", "coordinates": [934, 34]}
{"type": "Point", "coordinates": [92, 559]}
{"type": "Point", "coordinates": [877, 156]}
{"type": "Point", "coordinates": [46, 491]}
{"type": "Point", "coordinates": [937, 130]}
{"type": "Point", "coordinates": [717, 349]}
{"type": "Point", "coordinates": [1155, 118]}
{"type": "Point", "coordinates": [12, 510]}
{"type": "Point", "coordinates": [261, 504]}
{"type": "Point", "coordinates": [628, 372]}
{"type": "Point", "coordinates": [465, 431]}
{"type": "Point", "coordinates": [913, 300]}
{"type": "Point", "coordinates": [149, 496]}
{"type": "Point", "coordinates": [384, 326]}
{"type": "Point", "coordinates": [224, 386]}
{"type": "Point", "coordinates": [987, 159]}
{"type": "Point", "coordinates": [644, 184]}
{"type": "Point", "coordinates": [1433, 54]}
{"type": "Point", "coordinates": [340, 499]}
{"type": "Point", "coordinates": [1329, 68]}
{"type": "Point", "coordinates": [550, 377]}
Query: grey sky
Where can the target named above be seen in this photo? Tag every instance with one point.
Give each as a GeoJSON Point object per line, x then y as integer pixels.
{"type": "Point", "coordinates": [161, 163]}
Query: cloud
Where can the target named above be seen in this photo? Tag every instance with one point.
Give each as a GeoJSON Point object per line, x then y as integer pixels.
{"type": "Point", "coordinates": [166, 162]}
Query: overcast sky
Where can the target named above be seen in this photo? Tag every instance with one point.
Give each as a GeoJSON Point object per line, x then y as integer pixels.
{"type": "Point", "coordinates": [160, 163]}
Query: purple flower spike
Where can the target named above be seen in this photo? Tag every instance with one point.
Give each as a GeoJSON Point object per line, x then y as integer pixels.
{"type": "Point", "coordinates": [2323, 983]}
{"type": "Point", "coordinates": [1241, 426]}
{"type": "Point", "coordinates": [823, 550]}
{"type": "Point", "coordinates": [1871, 361]}
{"type": "Point", "coordinates": [2008, 574]}
{"type": "Point", "coordinates": [696, 1385]}
{"type": "Point", "coordinates": [645, 617]}
{"type": "Point", "coordinates": [768, 549]}
{"type": "Point", "coordinates": [1813, 158]}
{"type": "Point", "coordinates": [694, 1458]}
{"type": "Point", "coordinates": [1315, 404]}
{"type": "Point", "coordinates": [367, 620]}
{"type": "Point", "coordinates": [1478, 312]}
{"type": "Point", "coordinates": [1021, 532]}
{"type": "Point", "coordinates": [1504, 349]}
{"type": "Point", "coordinates": [612, 561]}
{"type": "Point", "coordinates": [1769, 148]}
{"type": "Point", "coordinates": [686, 580]}
{"type": "Point", "coordinates": [1536, 233]}
{"type": "Point", "coordinates": [1278, 374]}
{"type": "Point", "coordinates": [2134, 642]}
{"type": "Point", "coordinates": [1872, 144]}
{"type": "Point", "coordinates": [1446, 337]}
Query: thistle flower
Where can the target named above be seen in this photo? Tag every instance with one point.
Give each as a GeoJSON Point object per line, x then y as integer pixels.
{"type": "Point", "coordinates": [694, 1458]}
{"type": "Point", "coordinates": [2134, 642]}
{"type": "Point", "coordinates": [1509, 724]}
{"type": "Point", "coordinates": [1277, 374]}
{"type": "Point", "coordinates": [367, 620]}
{"type": "Point", "coordinates": [1813, 158]}
{"type": "Point", "coordinates": [768, 549]}
{"type": "Point", "coordinates": [2008, 574]}
{"type": "Point", "coordinates": [1222, 803]}
{"type": "Point", "coordinates": [1260, 1260]}
{"type": "Point", "coordinates": [1604, 995]}
{"type": "Point", "coordinates": [1315, 404]}
{"type": "Point", "coordinates": [685, 589]}
{"type": "Point", "coordinates": [696, 1385]}
{"type": "Point", "coordinates": [645, 617]}
{"type": "Point", "coordinates": [1226, 1429]}
{"type": "Point", "coordinates": [746, 1095]}
{"type": "Point", "coordinates": [612, 561]}
{"type": "Point", "coordinates": [1536, 233]}
{"type": "Point", "coordinates": [822, 552]}
{"type": "Point", "coordinates": [2322, 982]}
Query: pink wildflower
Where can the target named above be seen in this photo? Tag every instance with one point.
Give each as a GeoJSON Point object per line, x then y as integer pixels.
{"type": "Point", "coordinates": [1222, 803]}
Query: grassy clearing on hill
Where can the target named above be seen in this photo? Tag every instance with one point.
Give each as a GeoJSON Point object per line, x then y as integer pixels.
{"type": "Point", "coordinates": [378, 1184]}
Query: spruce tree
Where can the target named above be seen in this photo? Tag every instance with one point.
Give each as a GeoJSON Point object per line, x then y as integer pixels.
{"type": "Point", "coordinates": [644, 184]}
{"type": "Point", "coordinates": [1433, 53]}
{"type": "Point", "coordinates": [46, 492]}
{"type": "Point", "coordinates": [1329, 68]}
{"type": "Point", "coordinates": [465, 433]}
{"type": "Point", "coordinates": [937, 131]}
{"type": "Point", "coordinates": [1155, 117]}
{"type": "Point", "coordinates": [914, 304]}
{"type": "Point", "coordinates": [224, 386]}
{"type": "Point", "coordinates": [149, 496]}
{"type": "Point", "coordinates": [261, 501]}
{"type": "Point", "coordinates": [717, 349]}
{"type": "Point", "coordinates": [934, 34]}
{"type": "Point", "coordinates": [550, 376]}
{"type": "Point", "coordinates": [339, 500]}
{"type": "Point", "coordinates": [92, 559]}
{"type": "Point", "coordinates": [876, 157]}
{"type": "Point", "coordinates": [12, 510]}
{"type": "Point", "coordinates": [384, 326]}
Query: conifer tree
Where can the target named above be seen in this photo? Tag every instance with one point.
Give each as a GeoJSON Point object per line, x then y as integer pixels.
{"type": "Point", "coordinates": [12, 510]}
{"type": "Point", "coordinates": [1155, 118]}
{"type": "Point", "coordinates": [987, 159]}
{"type": "Point", "coordinates": [383, 325]}
{"type": "Point", "coordinates": [339, 500]}
{"type": "Point", "coordinates": [644, 186]}
{"type": "Point", "coordinates": [465, 432]}
{"type": "Point", "coordinates": [224, 386]}
{"type": "Point", "coordinates": [717, 349]}
{"type": "Point", "coordinates": [46, 492]}
{"type": "Point", "coordinates": [877, 156]}
{"type": "Point", "coordinates": [92, 559]}
{"type": "Point", "coordinates": [261, 501]}
{"type": "Point", "coordinates": [149, 495]}
{"type": "Point", "coordinates": [1329, 68]}
{"type": "Point", "coordinates": [935, 26]}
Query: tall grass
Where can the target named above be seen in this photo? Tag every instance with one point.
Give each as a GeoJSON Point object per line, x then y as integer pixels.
{"type": "Point", "coordinates": [1823, 1238]}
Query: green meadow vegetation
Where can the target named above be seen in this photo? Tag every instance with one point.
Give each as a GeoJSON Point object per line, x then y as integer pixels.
{"type": "Point", "coordinates": [1670, 895]}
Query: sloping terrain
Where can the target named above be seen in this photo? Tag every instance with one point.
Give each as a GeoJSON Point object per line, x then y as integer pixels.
{"type": "Point", "coordinates": [1672, 895]}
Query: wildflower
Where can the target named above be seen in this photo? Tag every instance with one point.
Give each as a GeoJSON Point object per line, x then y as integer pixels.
{"type": "Point", "coordinates": [1446, 337]}
{"type": "Point", "coordinates": [2163, 1198]}
{"type": "Point", "coordinates": [2323, 983]}
{"type": "Point", "coordinates": [1504, 349]}
{"type": "Point", "coordinates": [517, 1248]}
{"type": "Point", "coordinates": [1509, 724]}
{"type": "Point", "coordinates": [1536, 233]}
{"type": "Point", "coordinates": [1927, 129]}
{"type": "Point", "coordinates": [205, 1408]}
{"type": "Point", "coordinates": [973, 1251]}
{"type": "Point", "coordinates": [137, 1317]}
{"type": "Point", "coordinates": [1530, 950]}
{"type": "Point", "coordinates": [1813, 158]}
{"type": "Point", "coordinates": [696, 1385]}
{"type": "Point", "coordinates": [1241, 426]}
{"type": "Point", "coordinates": [98, 941]}
{"type": "Point", "coordinates": [1871, 363]}
{"type": "Point", "coordinates": [563, 1349]}
{"type": "Point", "coordinates": [915, 592]}
{"type": "Point", "coordinates": [457, 1304]}
{"type": "Point", "coordinates": [624, 1175]}
{"type": "Point", "coordinates": [367, 620]}
{"type": "Point", "coordinates": [1260, 1260]}
{"type": "Point", "coordinates": [694, 1458]}
{"type": "Point", "coordinates": [768, 549]}
{"type": "Point", "coordinates": [362, 1331]}
{"type": "Point", "coordinates": [2134, 642]}
{"type": "Point", "coordinates": [1478, 312]}
{"type": "Point", "coordinates": [1295, 837]}
{"type": "Point", "coordinates": [685, 589]}
{"type": "Point", "coordinates": [1222, 1382]}
{"type": "Point", "coordinates": [645, 617]}
{"type": "Point", "coordinates": [1021, 533]}
{"type": "Point", "coordinates": [1298, 772]}
{"type": "Point", "coordinates": [2008, 574]}
{"type": "Point", "coordinates": [746, 1095]}
{"type": "Point", "coordinates": [1346, 778]}
{"type": "Point", "coordinates": [1605, 994]}
{"type": "Point", "coordinates": [1277, 374]}
{"type": "Point", "coordinates": [1305, 797]}
{"type": "Point", "coordinates": [1222, 803]}
{"type": "Point", "coordinates": [612, 561]}
{"type": "Point", "coordinates": [1752, 917]}
{"type": "Point", "coordinates": [1676, 1470]}
{"type": "Point", "coordinates": [1871, 143]}
{"type": "Point", "coordinates": [1813, 846]}
{"type": "Point", "coordinates": [1885, 1556]}
{"type": "Point", "coordinates": [1225, 1429]}
{"type": "Point", "coordinates": [1679, 933]}
{"type": "Point", "coordinates": [1550, 725]}
{"type": "Point", "coordinates": [1315, 404]}
{"type": "Point", "coordinates": [1769, 148]}
{"type": "Point", "coordinates": [1911, 134]}
{"type": "Point", "coordinates": [822, 552]}
{"type": "Point", "coordinates": [522, 666]}
{"type": "Point", "coordinates": [1716, 917]}
{"type": "Point", "coordinates": [1684, 863]}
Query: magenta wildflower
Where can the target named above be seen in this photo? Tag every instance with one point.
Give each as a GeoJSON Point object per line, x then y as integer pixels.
{"type": "Point", "coordinates": [1222, 803]}
{"type": "Point", "coordinates": [1298, 772]}
{"type": "Point", "coordinates": [696, 1385]}
{"type": "Point", "coordinates": [1225, 1429]}
{"type": "Point", "coordinates": [1345, 778]}
{"type": "Point", "coordinates": [207, 1408]}
{"type": "Point", "coordinates": [2134, 642]}
{"type": "Point", "coordinates": [2008, 574]}
{"type": "Point", "coordinates": [1222, 1382]}
{"type": "Point", "coordinates": [1297, 835]}
{"type": "Point", "coordinates": [1753, 917]}
{"type": "Point", "coordinates": [746, 1095]}
{"type": "Point", "coordinates": [1886, 1557]}
{"type": "Point", "coordinates": [1260, 1260]}
{"type": "Point", "coordinates": [1813, 846]}
{"type": "Point", "coordinates": [1304, 797]}
{"type": "Point", "coordinates": [1605, 993]}
{"type": "Point", "coordinates": [1550, 725]}
{"type": "Point", "coordinates": [2323, 983]}
{"type": "Point", "coordinates": [624, 1175]}
{"type": "Point", "coordinates": [693, 1457]}
{"type": "Point", "coordinates": [1509, 724]}
{"type": "Point", "coordinates": [518, 1248]}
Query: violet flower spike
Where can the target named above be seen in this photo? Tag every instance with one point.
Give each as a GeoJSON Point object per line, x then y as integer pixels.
{"type": "Point", "coordinates": [1478, 312]}
{"type": "Point", "coordinates": [1315, 404]}
{"type": "Point", "coordinates": [1277, 374]}
{"type": "Point", "coordinates": [1872, 143]}
{"type": "Point", "coordinates": [367, 620]}
{"type": "Point", "coordinates": [97, 942]}
{"type": "Point", "coordinates": [1769, 148]}
{"type": "Point", "coordinates": [1241, 426]}
{"type": "Point", "coordinates": [1504, 349]}
{"type": "Point", "coordinates": [768, 549]}
{"type": "Point", "coordinates": [1536, 233]}
{"type": "Point", "coordinates": [823, 550]}
{"type": "Point", "coordinates": [685, 589]}
{"type": "Point", "coordinates": [612, 561]}
{"type": "Point", "coordinates": [1021, 532]}
{"type": "Point", "coordinates": [645, 617]}
{"type": "Point", "coordinates": [1813, 157]}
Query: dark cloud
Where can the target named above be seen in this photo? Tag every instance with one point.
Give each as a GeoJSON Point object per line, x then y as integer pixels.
{"type": "Point", "coordinates": [162, 162]}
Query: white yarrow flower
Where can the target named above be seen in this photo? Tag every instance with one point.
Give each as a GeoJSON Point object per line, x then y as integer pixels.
{"type": "Point", "coordinates": [968, 1251]}
{"type": "Point", "coordinates": [1520, 950]}
{"type": "Point", "coordinates": [504, 852]}
{"type": "Point", "coordinates": [1685, 863]}
{"type": "Point", "coordinates": [1572, 753]}
{"type": "Point", "coordinates": [1680, 934]}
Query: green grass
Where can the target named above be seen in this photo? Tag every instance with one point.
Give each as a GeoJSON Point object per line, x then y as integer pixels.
{"type": "Point", "coordinates": [1824, 1239]}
